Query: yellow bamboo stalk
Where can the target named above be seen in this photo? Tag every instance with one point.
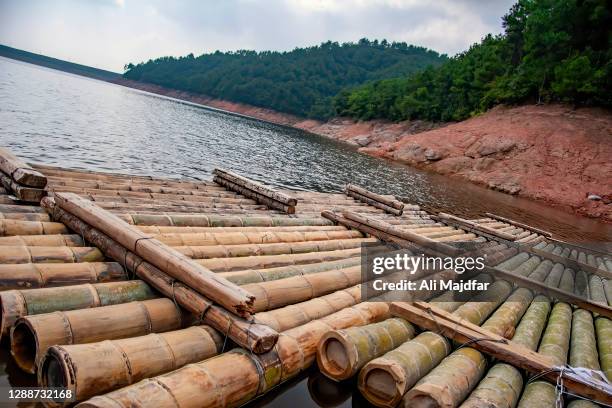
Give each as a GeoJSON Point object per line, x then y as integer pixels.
{"type": "Point", "coordinates": [40, 275]}
{"type": "Point", "coordinates": [236, 377]}
{"type": "Point", "coordinates": [19, 227]}
{"type": "Point", "coordinates": [53, 254]}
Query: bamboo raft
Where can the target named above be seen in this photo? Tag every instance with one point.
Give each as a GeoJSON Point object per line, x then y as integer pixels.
{"type": "Point", "coordinates": [235, 288]}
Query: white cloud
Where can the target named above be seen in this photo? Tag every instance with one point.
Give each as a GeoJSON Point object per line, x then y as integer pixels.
{"type": "Point", "coordinates": [131, 31]}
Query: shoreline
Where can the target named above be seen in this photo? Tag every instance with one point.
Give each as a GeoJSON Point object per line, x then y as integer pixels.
{"type": "Point", "coordinates": [507, 149]}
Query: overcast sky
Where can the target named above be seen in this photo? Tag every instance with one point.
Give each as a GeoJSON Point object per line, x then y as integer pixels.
{"type": "Point", "coordinates": [110, 33]}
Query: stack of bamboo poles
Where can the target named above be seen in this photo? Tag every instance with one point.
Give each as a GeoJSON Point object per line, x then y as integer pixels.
{"type": "Point", "coordinates": [294, 288]}
{"type": "Point", "coordinates": [20, 179]}
{"type": "Point", "coordinates": [389, 205]}
{"type": "Point", "coordinates": [254, 190]}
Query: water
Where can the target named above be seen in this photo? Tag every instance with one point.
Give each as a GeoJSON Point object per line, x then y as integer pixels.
{"type": "Point", "coordinates": [55, 118]}
{"type": "Point", "coordinates": [61, 119]}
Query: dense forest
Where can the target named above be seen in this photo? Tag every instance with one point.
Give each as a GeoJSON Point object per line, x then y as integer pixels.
{"type": "Point", "coordinates": [551, 50]}
{"type": "Point", "coordinates": [58, 64]}
{"type": "Point", "coordinates": [302, 82]}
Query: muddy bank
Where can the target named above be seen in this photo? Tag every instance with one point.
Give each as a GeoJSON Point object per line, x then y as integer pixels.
{"type": "Point", "coordinates": [553, 154]}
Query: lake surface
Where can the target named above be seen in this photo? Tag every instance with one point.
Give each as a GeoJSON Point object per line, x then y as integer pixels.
{"type": "Point", "coordinates": [51, 117]}
{"type": "Point", "coordinates": [61, 119]}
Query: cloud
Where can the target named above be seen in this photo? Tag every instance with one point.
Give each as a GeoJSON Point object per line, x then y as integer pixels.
{"type": "Point", "coordinates": [130, 31]}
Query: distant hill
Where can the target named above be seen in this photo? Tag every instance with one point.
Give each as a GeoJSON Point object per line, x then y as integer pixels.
{"type": "Point", "coordinates": [300, 82]}
{"type": "Point", "coordinates": [58, 64]}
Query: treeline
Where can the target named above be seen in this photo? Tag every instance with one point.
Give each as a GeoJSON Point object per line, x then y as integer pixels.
{"type": "Point", "coordinates": [302, 82]}
{"type": "Point", "coordinates": [58, 64]}
{"type": "Point", "coordinates": [551, 50]}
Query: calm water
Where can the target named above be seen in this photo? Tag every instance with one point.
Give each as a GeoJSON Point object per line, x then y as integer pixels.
{"type": "Point", "coordinates": [55, 118]}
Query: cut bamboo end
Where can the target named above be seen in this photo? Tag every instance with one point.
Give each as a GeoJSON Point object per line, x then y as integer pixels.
{"type": "Point", "coordinates": [19, 171]}
{"type": "Point", "coordinates": [341, 353]}
{"type": "Point", "coordinates": [31, 336]}
{"type": "Point", "coordinates": [126, 361]}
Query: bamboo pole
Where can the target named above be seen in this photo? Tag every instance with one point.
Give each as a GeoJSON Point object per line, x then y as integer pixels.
{"type": "Point", "coordinates": [270, 261]}
{"type": "Point", "coordinates": [18, 227]}
{"type": "Point", "coordinates": [23, 193]}
{"type": "Point", "coordinates": [389, 202]}
{"type": "Point", "coordinates": [374, 203]}
{"type": "Point", "coordinates": [281, 248]}
{"type": "Point", "coordinates": [163, 230]}
{"type": "Point", "coordinates": [172, 262]}
{"type": "Point", "coordinates": [53, 254]}
{"type": "Point", "coordinates": [42, 240]}
{"type": "Point", "coordinates": [19, 171]}
{"type": "Point", "coordinates": [583, 344]}
{"type": "Point", "coordinates": [342, 353]}
{"type": "Point", "coordinates": [283, 292]}
{"type": "Point", "coordinates": [538, 394]}
{"type": "Point", "coordinates": [16, 208]}
{"type": "Point", "coordinates": [463, 368]}
{"type": "Point", "coordinates": [530, 329]}
{"type": "Point", "coordinates": [502, 385]}
{"type": "Point", "coordinates": [18, 303]}
{"type": "Point", "coordinates": [31, 336]}
{"type": "Point", "coordinates": [255, 195]}
{"type": "Point", "coordinates": [298, 314]}
{"type": "Point", "coordinates": [255, 187]}
{"type": "Point", "coordinates": [25, 216]}
{"type": "Point", "coordinates": [79, 369]}
{"type": "Point", "coordinates": [197, 220]}
{"type": "Point", "coordinates": [264, 237]}
{"type": "Point", "coordinates": [582, 404]}
{"type": "Point", "coordinates": [40, 275]}
{"type": "Point", "coordinates": [555, 341]}
{"type": "Point", "coordinates": [263, 275]}
{"type": "Point", "coordinates": [248, 334]}
{"type": "Point", "coordinates": [235, 377]}
{"type": "Point", "coordinates": [603, 329]}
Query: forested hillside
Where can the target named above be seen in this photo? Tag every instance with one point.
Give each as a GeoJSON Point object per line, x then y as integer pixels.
{"type": "Point", "coordinates": [58, 64]}
{"type": "Point", "coordinates": [301, 82]}
{"type": "Point", "coordinates": [551, 50]}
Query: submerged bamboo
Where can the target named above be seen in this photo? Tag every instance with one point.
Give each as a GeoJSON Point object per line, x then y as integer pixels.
{"type": "Point", "coordinates": [233, 378]}
{"type": "Point", "coordinates": [80, 369]}
{"type": "Point", "coordinates": [19, 171]}
{"type": "Point", "coordinates": [248, 334]}
{"type": "Point", "coordinates": [200, 279]}
{"type": "Point", "coordinates": [31, 336]}
{"type": "Point", "coordinates": [342, 353]}
{"type": "Point", "coordinates": [40, 275]}
{"type": "Point", "coordinates": [18, 303]}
